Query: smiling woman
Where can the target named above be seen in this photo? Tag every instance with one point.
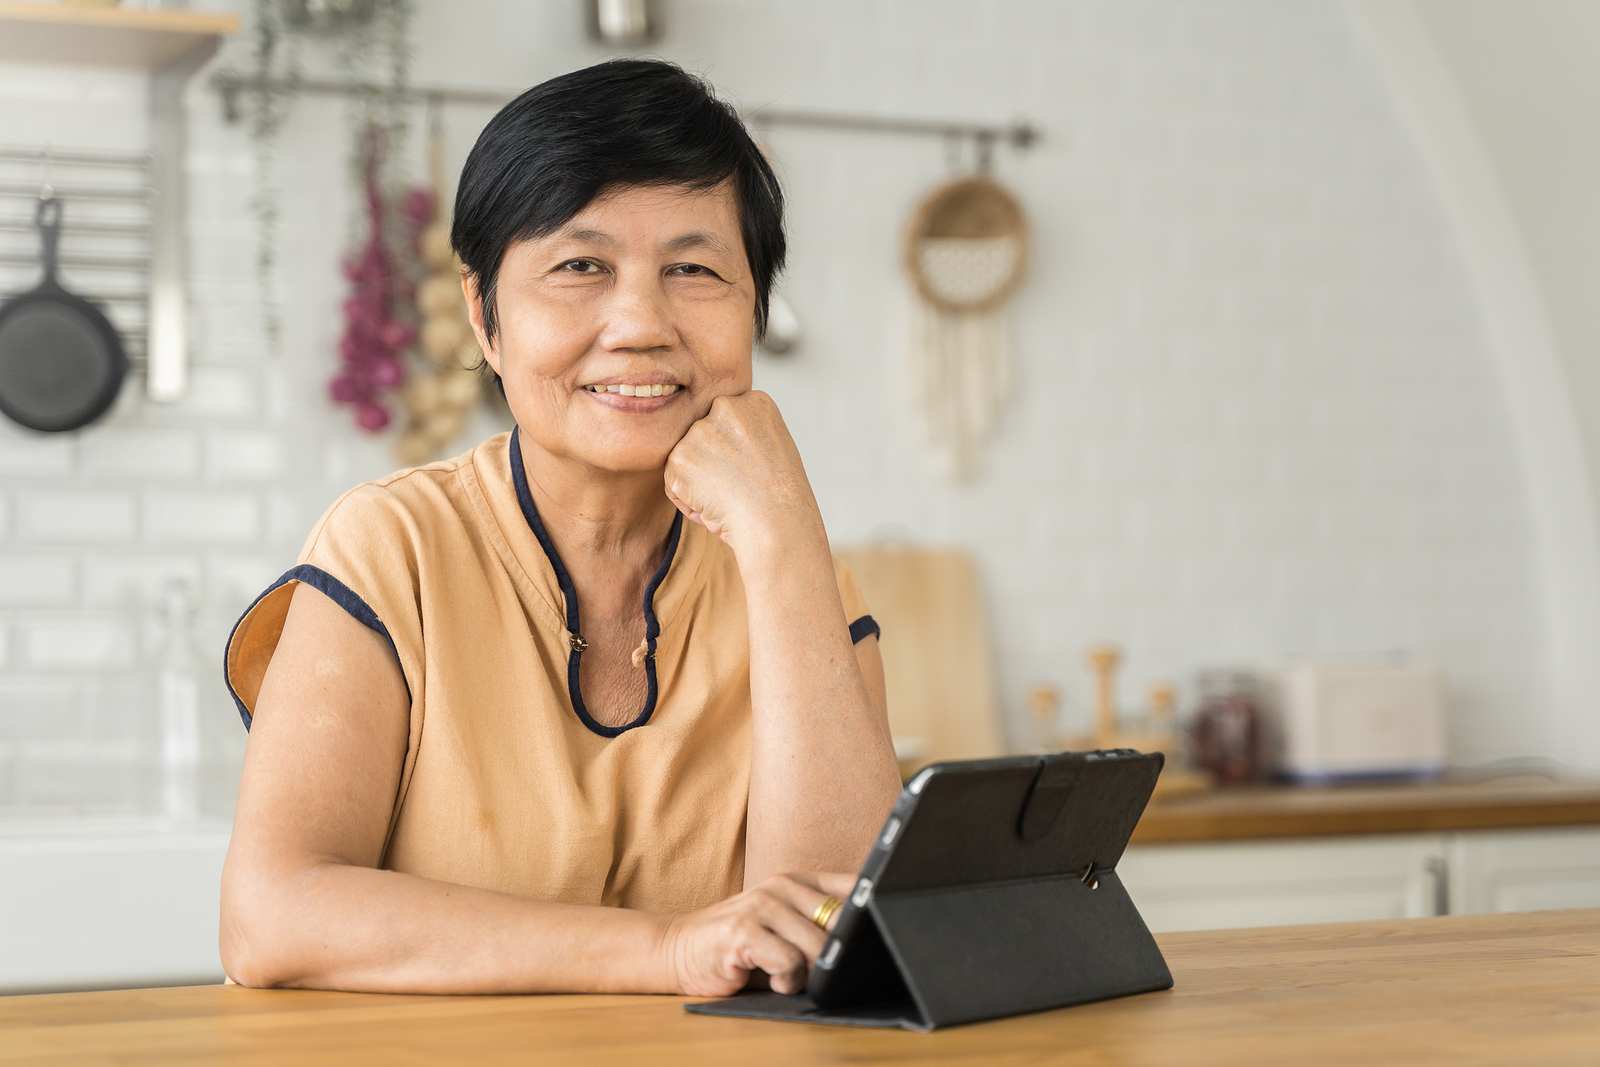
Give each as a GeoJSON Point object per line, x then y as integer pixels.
{"type": "Point", "coordinates": [590, 707]}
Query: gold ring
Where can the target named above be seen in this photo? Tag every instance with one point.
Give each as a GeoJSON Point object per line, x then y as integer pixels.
{"type": "Point", "coordinates": [825, 911]}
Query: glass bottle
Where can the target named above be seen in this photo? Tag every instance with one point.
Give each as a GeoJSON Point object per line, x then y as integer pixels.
{"type": "Point", "coordinates": [178, 706]}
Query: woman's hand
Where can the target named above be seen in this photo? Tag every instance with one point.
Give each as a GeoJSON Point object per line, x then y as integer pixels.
{"type": "Point", "coordinates": [737, 473]}
{"type": "Point", "coordinates": [763, 933]}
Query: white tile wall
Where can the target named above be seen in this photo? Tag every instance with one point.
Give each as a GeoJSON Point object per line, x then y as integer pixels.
{"type": "Point", "coordinates": [34, 580]}
{"type": "Point", "coordinates": [83, 642]}
{"type": "Point", "coordinates": [141, 452]}
{"type": "Point", "coordinates": [77, 516]}
{"type": "Point", "coordinates": [1255, 416]}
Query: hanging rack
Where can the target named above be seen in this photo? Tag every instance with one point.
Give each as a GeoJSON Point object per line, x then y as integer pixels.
{"type": "Point", "coordinates": [108, 234]}
{"type": "Point", "coordinates": [74, 158]}
{"type": "Point", "coordinates": [230, 84]}
{"type": "Point", "coordinates": [1018, 134]}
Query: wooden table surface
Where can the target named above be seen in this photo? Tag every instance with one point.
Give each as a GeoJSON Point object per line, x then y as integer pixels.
{"type": "Point", "coordinates": [1505, 989]}
{"type": "Point", "coordinates": [1298, 811]}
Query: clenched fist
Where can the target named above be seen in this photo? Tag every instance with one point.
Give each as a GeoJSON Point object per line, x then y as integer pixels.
{"type": "Point", "coordinates": [737, 473]}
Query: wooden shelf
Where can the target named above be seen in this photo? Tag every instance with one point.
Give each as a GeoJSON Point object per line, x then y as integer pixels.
{"type": "Point", "coordinates": [1283, 811]}
{"type": "Point", "coordinates": [104, 36]}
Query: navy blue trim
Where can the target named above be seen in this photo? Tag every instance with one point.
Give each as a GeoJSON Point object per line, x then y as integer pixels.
{"type": "Point", "coordinates": [863, 628]}
{"type": "Point", "coordinates": [335, 590]}
{"type": "Point", "coordinates": [569, 593]}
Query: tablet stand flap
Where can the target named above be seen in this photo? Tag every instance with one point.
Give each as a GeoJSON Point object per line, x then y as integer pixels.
{"type": "Point", "coordinates": [1003, 948]}
{"type": "Point", "coordinates": [800, 1008]}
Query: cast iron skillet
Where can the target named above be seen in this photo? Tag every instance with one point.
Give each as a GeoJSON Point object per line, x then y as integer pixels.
{"type": "Point", "coordinates": [61, 362]}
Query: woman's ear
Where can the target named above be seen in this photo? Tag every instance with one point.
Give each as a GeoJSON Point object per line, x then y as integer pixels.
{"type": "Point", "coordinates": [469, 289]}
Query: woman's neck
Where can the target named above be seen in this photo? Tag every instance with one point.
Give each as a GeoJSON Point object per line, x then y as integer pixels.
{"type": "Point", "coordinates": [610, 528]}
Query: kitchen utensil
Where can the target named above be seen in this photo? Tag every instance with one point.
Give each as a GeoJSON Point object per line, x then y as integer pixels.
{"type": "Point", "coordinates": [61, 361]}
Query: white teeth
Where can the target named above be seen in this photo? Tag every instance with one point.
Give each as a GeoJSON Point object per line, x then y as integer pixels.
{"type": "Point", "coordinates": [635, 390]}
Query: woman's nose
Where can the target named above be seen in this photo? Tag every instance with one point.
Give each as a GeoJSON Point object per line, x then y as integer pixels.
{"type": "Point", "coordinates": [638, 316]}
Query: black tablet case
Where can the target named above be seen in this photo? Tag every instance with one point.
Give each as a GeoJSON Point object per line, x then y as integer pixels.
{"type": "Point", "coordinates": [998, 897]}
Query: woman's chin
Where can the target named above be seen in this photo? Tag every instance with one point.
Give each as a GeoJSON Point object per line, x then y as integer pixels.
{"type": "Point", "coordinates": [635, 459]}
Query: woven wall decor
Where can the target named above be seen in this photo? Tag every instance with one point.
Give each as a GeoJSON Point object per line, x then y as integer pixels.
{"type": "Point", "coordinates": [967, 251]}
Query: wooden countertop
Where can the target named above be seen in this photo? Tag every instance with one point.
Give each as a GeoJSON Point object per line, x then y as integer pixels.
{"type": "Point", "coordinates": [1291, 811]}
{"type": "Point", "coordinates": [1501, 989]}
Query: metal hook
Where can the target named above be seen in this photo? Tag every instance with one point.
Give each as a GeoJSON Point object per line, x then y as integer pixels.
{"type": "Point", "coordinates": [46, 190]}
{"type": "Point", "coordinates": [952, 150]}
{"type": "Point", "coordinates": [984, 142]}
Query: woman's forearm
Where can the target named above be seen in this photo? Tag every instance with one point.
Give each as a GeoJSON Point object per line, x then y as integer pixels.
{"type": "Point", "coordinates": [823, 772]}
{"type": "Point", "coordinates": [336, 926]}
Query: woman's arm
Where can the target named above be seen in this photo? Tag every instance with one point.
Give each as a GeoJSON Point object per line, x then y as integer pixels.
{"type": "Point", "coordinates": [304, 905]}
{"type": "Point", "coordinates": [823, 773]}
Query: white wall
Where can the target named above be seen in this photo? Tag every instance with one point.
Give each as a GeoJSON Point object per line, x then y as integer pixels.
{"type": "Point", "coordinates": [1526, 77]}
{"type": "Point", "coordinates": [1256, 416]}
{"type": "Point", "coordinates": [1528, 74]}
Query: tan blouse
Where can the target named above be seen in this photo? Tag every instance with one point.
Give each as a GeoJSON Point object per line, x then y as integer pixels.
{"type": "Point", "coordinates": [508, 784]}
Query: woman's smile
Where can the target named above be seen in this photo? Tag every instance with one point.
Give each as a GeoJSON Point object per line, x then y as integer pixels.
{"type": "Point", "coordinates": [642, 390]}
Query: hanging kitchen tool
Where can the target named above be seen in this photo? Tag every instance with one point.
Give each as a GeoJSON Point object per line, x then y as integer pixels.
{"type": "Point", "coordinates": [61, 361]}
{"type": "Point", "coordinates": [966, 250]}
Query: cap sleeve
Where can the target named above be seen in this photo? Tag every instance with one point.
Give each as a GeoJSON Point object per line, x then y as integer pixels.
{"type": "Point", "coordinates": [856, 612]}
{"type": "Point", "coordinates": [360, 556]}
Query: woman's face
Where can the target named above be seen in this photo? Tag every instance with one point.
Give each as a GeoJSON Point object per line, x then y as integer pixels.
{"type": "Point", "coordinates": [618, 330]}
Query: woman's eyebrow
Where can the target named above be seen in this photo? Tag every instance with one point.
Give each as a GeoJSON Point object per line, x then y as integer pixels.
{"type": "Point", "coordinates": [681, 243]}
{"type": "Point", "coordinates": [591, 237]}
{"type": "Point", "coordinates": [697, 239]}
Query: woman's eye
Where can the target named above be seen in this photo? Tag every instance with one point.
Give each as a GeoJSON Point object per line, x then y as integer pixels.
{"type": "Point", "coordinates": [694, 270]}
{"type": "Point", "coordinates": [581, 266]}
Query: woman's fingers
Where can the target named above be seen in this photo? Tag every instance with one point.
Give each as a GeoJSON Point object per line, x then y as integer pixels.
{"type": "Point", "coordinates": [816, 887]}
{"type": "Point", "coordinates": [765, 930]}
{"type": "Point", "coordinates": [835, 885]}
{"type": "Point", "coordinates": [737, 471]}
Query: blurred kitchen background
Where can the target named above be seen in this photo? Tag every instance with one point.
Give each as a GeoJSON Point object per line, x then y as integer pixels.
{"type": "Point", "coordinates": [1303, 366]}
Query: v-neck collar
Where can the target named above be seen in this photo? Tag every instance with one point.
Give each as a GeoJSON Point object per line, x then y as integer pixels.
{"type": "Point", "coordinates": [569, 593]}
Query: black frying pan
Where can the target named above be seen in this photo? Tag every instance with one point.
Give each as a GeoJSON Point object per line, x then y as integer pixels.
{"type": "Point", "coordinates": [61, 362]}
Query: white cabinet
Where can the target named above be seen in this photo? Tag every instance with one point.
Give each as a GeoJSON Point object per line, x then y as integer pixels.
{"type": "Point", "coordinates": [1284, 882]}
{"type": "Point", "coordinates": [106, 905]}
{"type": "Point", "coordinates": [1340, 879]}
{"type": "Point", "coordinates": [1525, 870]}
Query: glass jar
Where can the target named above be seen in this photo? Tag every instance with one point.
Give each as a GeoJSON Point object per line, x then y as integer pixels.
{"type": "Point", "coordinates": [1227, 726]}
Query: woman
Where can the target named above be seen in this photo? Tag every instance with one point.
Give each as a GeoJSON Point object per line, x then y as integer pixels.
{"type": "Point", "coordinates": [475, 764]}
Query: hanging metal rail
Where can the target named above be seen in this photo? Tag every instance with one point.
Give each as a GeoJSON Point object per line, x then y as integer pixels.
{"type": "Point", "coordinates": [1018, 134]}
{"type": "Point", "coordinates": [230, 84]}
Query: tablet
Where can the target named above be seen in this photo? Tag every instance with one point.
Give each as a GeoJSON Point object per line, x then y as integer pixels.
{"type": "Point", "coordinates": [991, 890]}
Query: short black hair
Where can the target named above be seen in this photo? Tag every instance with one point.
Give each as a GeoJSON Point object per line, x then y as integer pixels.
{"type": "Point", "coordinates": [550, 152]}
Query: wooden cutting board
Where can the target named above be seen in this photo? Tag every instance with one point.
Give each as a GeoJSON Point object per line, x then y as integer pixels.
{"type": "Point", "coordinates": [936, 661]}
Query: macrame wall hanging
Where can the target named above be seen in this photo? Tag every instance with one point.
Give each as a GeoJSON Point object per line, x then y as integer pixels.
{"type": "Point", "coordinates": [966, 250]}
